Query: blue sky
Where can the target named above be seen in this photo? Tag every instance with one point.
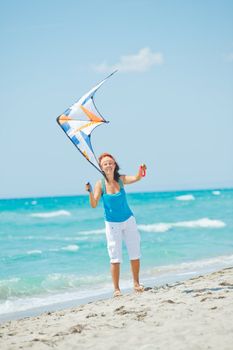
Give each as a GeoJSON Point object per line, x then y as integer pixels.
{"type": "Point", "coordinates": [169, 106]}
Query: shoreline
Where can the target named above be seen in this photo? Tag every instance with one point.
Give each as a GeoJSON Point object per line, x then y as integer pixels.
{"type": "Point", "coordinates": [195, 313]}
{"type": "Point", "coordinates": [157, 281]}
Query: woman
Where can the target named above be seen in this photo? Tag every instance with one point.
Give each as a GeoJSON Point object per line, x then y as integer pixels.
{"type": "Point", "coordinates": [119, 219]}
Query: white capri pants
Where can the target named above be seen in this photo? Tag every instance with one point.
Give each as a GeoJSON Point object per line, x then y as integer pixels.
{"type": "Point", "coordinates": [118, 231]}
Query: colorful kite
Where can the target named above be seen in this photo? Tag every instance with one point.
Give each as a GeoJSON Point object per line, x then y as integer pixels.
{"type": "Point", "coordinates": [80, 120]}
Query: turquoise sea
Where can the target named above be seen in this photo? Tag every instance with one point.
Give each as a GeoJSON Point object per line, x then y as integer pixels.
{"type": "Point", "coordinates": [53, 249]}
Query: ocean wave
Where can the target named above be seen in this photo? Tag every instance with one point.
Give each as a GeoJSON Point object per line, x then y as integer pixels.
{"type": "Point", "coordinates": [35, 251]}
{"type": "Point", "coordinates": [201, 223]}
{"type": "Point", "coordinates": [71, 248]}
{"type": "Point", "coordinates": [47, 302]}
{"type": "Point", "coordinates": [160, 227]}
{"type": "Point", "coordinates": [51, 214]}
{"type": "Point", "coordinates": [46, 238]}
{"type": "Point", "coordinates": [216, 193]}
{"type": "Point", "coordinates": [53, 283]}
{"type": "Point", "coordinates": [91, 232]}
{"type": "Point", "coordinates": [185, 197]}
{"type": "Point", "coordinates": [186, 268]}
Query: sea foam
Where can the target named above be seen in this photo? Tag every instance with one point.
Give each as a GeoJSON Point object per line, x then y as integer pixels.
{"type": "Point", "coordinates": [15, 296]}
{"type": "Point", "coordinates": [71, 248]}
{"type": "Point", "coordinates": [51, 214]}
{"type": "Point", "coordinates": [91, 232]}
{"type": "Point", "coordinates": [216, 193]}
{"type": "Point", "coordinates": [35, 251]}
{"type": "Point", "coordinates": [164, 227]}
{"type": "Point", "coordinates": [196, 265]}
{"type": "Point", "coordinates": [185, 197]}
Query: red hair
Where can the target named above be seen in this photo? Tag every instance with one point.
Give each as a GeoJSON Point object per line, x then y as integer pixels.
{"type": "Point", "coordinates": [105, 155]}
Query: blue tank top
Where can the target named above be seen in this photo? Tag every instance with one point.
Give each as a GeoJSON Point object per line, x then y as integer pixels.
{"type": "Point", "coordinates": [116, 208]}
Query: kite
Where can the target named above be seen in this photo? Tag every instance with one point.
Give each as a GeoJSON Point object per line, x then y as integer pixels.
{"type": "Point", "coordinates": [79, 120]}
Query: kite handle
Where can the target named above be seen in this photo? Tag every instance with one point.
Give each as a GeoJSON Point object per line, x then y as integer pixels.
{"type": "Point", "coordinates": [88, 187]}
{"type": "Point", "coordinates": [142, 170]}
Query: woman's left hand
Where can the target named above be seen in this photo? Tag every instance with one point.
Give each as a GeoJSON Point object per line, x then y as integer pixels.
{"type": "Point", "coordinates": [142, 170]}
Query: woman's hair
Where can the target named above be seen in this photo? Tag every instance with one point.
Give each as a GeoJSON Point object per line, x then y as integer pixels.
{"type": "Point", "coordinates": [116, 170]}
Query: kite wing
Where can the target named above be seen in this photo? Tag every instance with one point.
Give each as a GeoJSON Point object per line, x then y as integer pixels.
{"type": "Point", "coordinates": [79, 120]}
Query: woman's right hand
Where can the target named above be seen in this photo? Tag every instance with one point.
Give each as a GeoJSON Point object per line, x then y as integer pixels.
{"type": "Point", "coordinates": [88, 187]}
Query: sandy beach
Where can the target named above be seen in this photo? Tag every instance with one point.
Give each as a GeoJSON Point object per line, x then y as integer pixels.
{"type": "Point", "coordinates": [192, 314]}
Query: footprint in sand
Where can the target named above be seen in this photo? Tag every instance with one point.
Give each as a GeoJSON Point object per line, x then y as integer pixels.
{"type": "Point", "coordinates": [169, 301]}
{"type": "Point", "coordinates": [91, 315]}
{"type": "Point", "coordinates": [226, 284]}
{"type": "Point", "coordinates": [213, 308]}
{"type": "Point", "coordinates": [77, 329]}
{"type": "Point", "coordinates": [139, 315]}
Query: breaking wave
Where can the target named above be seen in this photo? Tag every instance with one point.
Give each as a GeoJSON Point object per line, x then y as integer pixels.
{"type": "Point", "coordinates": [186, 197]}
{"type": "Point", "coordinates": [201, 223]}
{"type": "Point", "coordinates": [51, 214]}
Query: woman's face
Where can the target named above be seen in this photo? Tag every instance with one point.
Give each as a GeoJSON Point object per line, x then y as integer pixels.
{"type": "Point", "coordinates": [108, 165]}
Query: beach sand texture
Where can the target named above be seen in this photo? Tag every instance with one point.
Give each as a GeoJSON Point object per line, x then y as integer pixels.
{"type": "Point", "coordinates": [193, 314]}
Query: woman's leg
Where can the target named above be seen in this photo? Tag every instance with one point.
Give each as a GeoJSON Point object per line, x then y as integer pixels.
{"type": "Point", "coordinates": [114, 242]}
{"type": "Point", "coordinates": [135, 268]}
{"type": "Point", "coordinates": [115, 271]}
{"type": "Point", "coordinates": [132, 240]}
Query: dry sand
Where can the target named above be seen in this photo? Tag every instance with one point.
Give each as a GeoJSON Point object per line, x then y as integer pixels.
{"type": "Point", "coordinates": [194, 314]}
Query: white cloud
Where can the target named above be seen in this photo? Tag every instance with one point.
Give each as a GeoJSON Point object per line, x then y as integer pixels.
{"type": "Point", "coordinates": [140, 62]}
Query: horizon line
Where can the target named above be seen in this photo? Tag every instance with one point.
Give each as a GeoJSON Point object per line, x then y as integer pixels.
{"type": "Point", "coordinates": [216, 188]}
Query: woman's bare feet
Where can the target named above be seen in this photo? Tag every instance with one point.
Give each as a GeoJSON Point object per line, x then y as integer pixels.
{"type": "Point", "coordinates": [139, 288]}
{"type": "Point", "coordinates": [117, 293]}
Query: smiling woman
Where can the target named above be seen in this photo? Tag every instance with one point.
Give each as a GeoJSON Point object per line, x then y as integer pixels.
{"type": "Point", "coordinates": [120, 223]}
